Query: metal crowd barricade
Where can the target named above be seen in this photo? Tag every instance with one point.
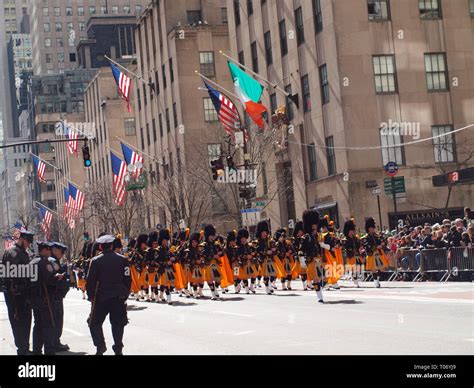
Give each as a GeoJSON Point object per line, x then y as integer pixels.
{"type": "Point", "coordinates": [434, 261]}
{"type": "Point", "coordinates": [460, 259]}
{"type": "Point", "coordinates": [406, 262]}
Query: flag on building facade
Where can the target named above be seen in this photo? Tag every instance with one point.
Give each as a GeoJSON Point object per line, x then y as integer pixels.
{"type": "Point", "coordinates": [46, 217]}
{"type": "Point", "coordinates": [124, 84]}
{"type": "Point", "coordinates": [133, 158]}
{"type": "Point", "coordinates": [40, 167]}
{"type": "Point", "coordinates": [119, 170]}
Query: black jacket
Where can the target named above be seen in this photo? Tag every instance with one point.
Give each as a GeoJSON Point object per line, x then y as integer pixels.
{"type": "Point", "coordinates": [110, 274]}
{"type": "Point", "coordinates": [17, 286]}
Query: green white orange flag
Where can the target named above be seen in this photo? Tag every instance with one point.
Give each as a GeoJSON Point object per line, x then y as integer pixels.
{"type": "Point", "coordinates": [249, 92]}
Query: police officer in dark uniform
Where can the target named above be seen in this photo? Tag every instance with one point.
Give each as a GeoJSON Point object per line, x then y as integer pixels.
{"type": "Point", "coordinates": [62, 289]}
{"type": "Point", "coordinates": [45, 310]}
{"type": "Point", "coordinates": [16, 292]}
{"type": "Point", "coordinates": [108, 287]}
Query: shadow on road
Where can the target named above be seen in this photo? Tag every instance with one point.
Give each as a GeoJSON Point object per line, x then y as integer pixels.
{"type": "Point", "coordinates": [132, 307]}
{"type": "Point", "coordinates": [348, 301]}
{"type": "Point", "coordinates": [178, 304]}
{"type": "Point", "coordinates": [232, 299]}
{"type": "Point", "coordinates": [70, 353]}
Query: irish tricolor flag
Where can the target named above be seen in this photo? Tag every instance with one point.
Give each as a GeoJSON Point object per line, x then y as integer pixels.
{"type": "Point", "coordinates": [249, 92]}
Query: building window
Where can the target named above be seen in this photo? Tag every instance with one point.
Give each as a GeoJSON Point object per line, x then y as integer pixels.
{"type": "Point", "coordinates": [142, 139]}
{"type": "Point", "coordinates": [129, 126]}
{"type": "Point", "coordinates": [163, 71]}
{"type": "Point", "coordinates": [379, 10]}
{"type": "Point", "coordinates": [153, 125]}
{"type": "Point", "coordinates": [237, 12]}
{"type": "Point", "coordinates": [273, 104]}
{"type": "Point", "coordinates": [160, 122]}
{"type": "Point", "coordinates": [385, 74]}
{"type": "Point", "coordinates": [168, 124]}
{"type": "Point", "coordinates": [268, 48]}
{"type": "Point", "coordinates": [72, 57]}
{"type": "Point", "coordinates": [138, 9]}
{"type": "Point", "coordinates": [80, 11]}
{"type": "Point", "coordinates": [318, 16]}
{"type": "Point", "coordinates": [306, 94]}
{"type": "Point", "coordinates": [225, 19]}
{"type": "Point", "coordinates": [289, 107]}
{"type": "Point", "coordinates": [313, 172]}
{"type": "Point", "coordinates": [330, 155]}
{"type": "Point", "coordinates": [241, 58]}
{"type": "Point", "coordinates": [253, 49]}
{"type": "Point", "coordinates": [139, 100]}
{"type": "Point", "coordinates": [115, 9]}
{"type": "Point", "coordinates": [444, 147]}
{"type": "Point", "coordinates": [430, 9]}
{"type": "Point", "coordinates": [206, 61]}
{"type": "Point", "coordinates": [49, 58]}
{"type": "Point", "coordinates": [299, 26]}
{"type": "Point", "coordinates": [45, 11]}
{"type": "Point", "coordinates": [171, 70]}
{"type": "Point", "coordinates": [57, 11]}
{"type": "Point", "coordinates": [60, 57]}
{"type": "Point", "coordinates": [175, 115]}
{"type": "Point", "coordinates": [70, 26]}
{"type": "Point", "coordinates": [471, 8]}
{"type": "Point", "coordinates": [249, 7]}
{"type": "Point", "coordinates": [59, 27]}
{"type": "Point", "coordinates": [82, 26]}
{"type": "Point", "coordinates": [194, 17]}
{"type": "Point", "coordinates": [148, 135]}
{"type": "Point", "coordinates": [103, 9]}
{"type": "Point", "coordinates": [391, 151]}
{"type": "Point", "coordinates": [323, 79]}
{"type": "Point", "coordinates": [283, 38]}
{"type": "Point", "coordinates": [68, 11]}
{"type": "Point", "coordinates": [210, 113]}
{"type": "Point", "coordinates": [126, 9]}
{"type": "Point", "coordinates": [213, 152]}
{"type": "Point", "coordinates": [92, 9]}
{"type": "Point", "coordinates": [46, 27]}
{"type": "Point", "coordinates": [436, 72]}
{"type": "Point", "coordinates": [47, 42]}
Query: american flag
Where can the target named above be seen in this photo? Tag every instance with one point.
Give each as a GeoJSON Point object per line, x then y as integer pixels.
{"type": "Point", "coordinates": [119, 169]}
{"type": "Point", "coordinates": [71, 145]}
{"type": "Point", "coordinates": [132, 158]}
{"type": "Point", "coordinates": [228, 114]}
{"type": "Point", "coordinates": [46, 218]}
{"type": "Point", "coordinates": [66, 202]}
{"type": "Point", "coordinates": [124, 84]}
{"type": "Point", "coordinates": [40, 167]}
{"type": "Point", "coordinates": [76, 201]}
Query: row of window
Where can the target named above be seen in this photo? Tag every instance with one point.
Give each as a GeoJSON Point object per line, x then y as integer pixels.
{"type": "Point", "coordinates": [61, 57]}
{"type": "Point", "coordinates": [58, 26]}
{"type": "Point", "coordinates": [114, 9]}
{"type": "Point", "coordinates": [444, 149]}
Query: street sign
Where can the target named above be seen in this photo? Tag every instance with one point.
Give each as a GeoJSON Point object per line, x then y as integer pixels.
{"type": "Point", "coordinates": [398, 185]}
{"type": "Point", "coordinates": [376, 191]}
{"type": "Point", "coordinates": [391, 168]}
{"type": "Point", "coordinates": [260, 204]}
{"type": "Point", "coordinates": [250, 216]}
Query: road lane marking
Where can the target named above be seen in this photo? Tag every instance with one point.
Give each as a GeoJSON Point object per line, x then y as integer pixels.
{"type": "Point", "coordinates": [236, 314]}
{"type": "Point", "coordinates": [74, 332]}
{"type": "Point", "coordinates": [245, 332]}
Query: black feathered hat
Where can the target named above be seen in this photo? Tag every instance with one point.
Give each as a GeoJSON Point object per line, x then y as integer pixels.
{"type": "Point", "coordinates": [348, 226]}
{"type": "Point", "coordinates": [195, 237]}
{"type": "Point", "coordinates": [280, 233]}
{"type": "Point", "coordinates": [209, 230]}
{"type": "Point", "coordinates": [369, 223]}
{"type": "Point", "coordinates": [132, 243]}
{"type": "Point", "coordinates": [324, 222]}
{"type": "Point", "coordinates": [262, 226]}
{"type": "Point", "coordinates": [141, 239]}
{"type": "Point", "coordinates": [242, 233]}
{"type": "Point", "coordinates": [152, 238]}
{"type": "Point", "coordinates": [310, 218]}
{"type": "Point", "coordinates": [298, 226]}
{"type": "Point", "coordinates": [231, 236]}
{"type": "Point", "coordinates": [163, 235]}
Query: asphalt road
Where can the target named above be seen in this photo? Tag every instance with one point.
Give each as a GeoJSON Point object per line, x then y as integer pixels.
{"type": "Point", "coordinates": [399, 318]}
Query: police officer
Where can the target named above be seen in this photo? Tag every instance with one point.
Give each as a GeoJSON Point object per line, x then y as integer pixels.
{"type": "Point", "coordinates": [43, 290]}
{"type": "Point", "coordinates": [108, 286]}
{"type": "Point", "coordinates": [16, 292]}
{"type": "Point", "coordinates": [62, 289]}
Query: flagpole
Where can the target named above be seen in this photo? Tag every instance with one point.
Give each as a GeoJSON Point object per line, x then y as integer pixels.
{"type": "Point", "coordinates": [47, 208]}
{"type": "Point", "coordinates": [59, 170]}
{"type": "Point", "coordinates": [127, 70]}
{"type": "Point", "coordinates": [217, 85]}
{"type": "Point", "coordinates": [275, 86]}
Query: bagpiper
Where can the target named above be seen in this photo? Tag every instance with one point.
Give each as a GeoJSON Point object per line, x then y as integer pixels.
{"type": "Point", "coordinates": [284, 251]}
{"type": "Point", "coordinates": [312, 251]}
{"type": "Point", "coordinates": [231, 253]}
{"type": "Point", "coordinates": [354, 250]}
{"type": "Point", "coordinates": [373, 244]}
{"type": "Point", "coordinates": [332, 252]}
{"type": "Point", "coordinates": [211, 252]}
{"type": "Point", "coordinates": [196, 265]}
{"type": "Point", "coordinates": [151, 268]}
{"type": "Point", "coordinates": [166, 269]}
{"type": "Point", "coordinates": [265, 255]}
{"type": "Point", "coordinates": [137, 260]}
{"type": "Point", "coordinates": [299, 256]}
{"type": "Point", "coordinates": [245, 269]}
{"type": "Point", "coordinates": [182, 264]}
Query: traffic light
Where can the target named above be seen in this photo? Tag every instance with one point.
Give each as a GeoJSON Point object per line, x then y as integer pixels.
{"type": "Point", "coordinates": [231, 164]}
{"type": "Point", "coordinates": [217, 166]}
{"type": "Point", "coordinates": [86, 155]}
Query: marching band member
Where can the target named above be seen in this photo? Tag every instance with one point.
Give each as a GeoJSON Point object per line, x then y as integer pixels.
{"type": "Point", "coordinates": [265, 255]}
{"type": "Point", "coordinates": [211, 252]}
{"type": "Point", "coordinates": [182, 264]}
{"type": "Point", "coordinates": [231, 254]}
{"type": "Point", "coordinates": [137, 271]}
{"type": "Point", "coordinates": [332, 252]}
{"type": "Point", "coordinates": [354, 249]}
{"type": "Point", "coordinates": [196, 265]}
{"type": "Point", "coordinates": [151, 267]}
{"type": "Point", "coordinates": [165, 266]}
{"type": "Point", "coordinates": [300, 261]}
{"type": "Point", "coordinates": [312, 251]}
{"type": "Point", "coordinates": [245, 268]}
{"type": "Point", "coordinates": [373, 244]}
{"type": "Point", "coordinates": [284, 251]}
